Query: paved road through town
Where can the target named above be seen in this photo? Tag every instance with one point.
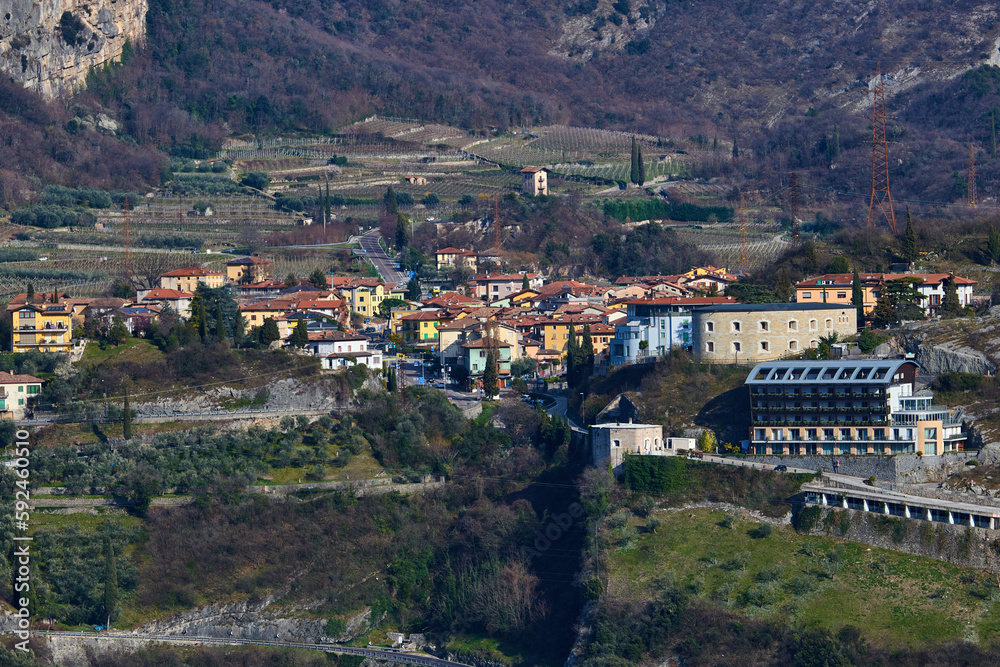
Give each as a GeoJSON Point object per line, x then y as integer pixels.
{"type": "Point", "coordinates": [386, 266]}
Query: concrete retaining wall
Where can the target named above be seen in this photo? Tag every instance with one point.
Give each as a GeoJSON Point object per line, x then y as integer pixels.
{"type": "Point", "coordinates": [897, 469]}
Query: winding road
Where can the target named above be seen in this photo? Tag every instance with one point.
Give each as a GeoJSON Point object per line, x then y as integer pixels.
{"type": "Point", "coordinates": [386, 266]}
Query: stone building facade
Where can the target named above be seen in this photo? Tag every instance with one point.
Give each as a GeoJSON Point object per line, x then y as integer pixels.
{"type": "Point", "coordinates": [743, 333]}
{"type": "Point", "coordinates": [610, 443]}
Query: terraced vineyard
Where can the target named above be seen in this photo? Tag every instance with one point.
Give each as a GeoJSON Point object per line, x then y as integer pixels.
{"type": "Point", "coordinates": [764, 242]}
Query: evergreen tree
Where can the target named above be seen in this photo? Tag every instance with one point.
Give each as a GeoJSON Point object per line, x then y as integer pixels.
{"type": "Point", "coordinates": [391, 384]}
{"type": "Point", "coordinates": [736, 149]}
{"type": "Point", "coordinates": [269, 332]}
{"type": "Point", "coordinates": [126, 418]}
{"type": "Point", "coordinates": [491, 375]}
{"type": "Point", "coordinates": [238, 331]}
{"type": "Point", "coordinates": [783, 291]}
{"type": "Point", "coordinates": [633, 173]}
{"type": "Point", "coordinates": [110, 580]}
{"type": "Point", "coordinates": [715, 144]}
{"type": "Point", "coordinates": [993, 245]}
{"type": "Point", "coordinates": [401, 223]}
{"type": "Point", "coordinates": [327, 209]}
{"type": "Point", "coordinates": [31, 292]}
{"type": "Point", "coordinates": [950, 305]}
{"type": "Point", "coordinates": [572, 356]}
{"type": "Point", "coordinates": [201, 316]}
{"type": "Point", "coordinates": [118, 333]}
{"type": "Point", "coordinates": [389, 202]}
{"type": "Point", "coordinates": [318, 279]}
{"type": "Point", "coordinates": [291, 280]}
{"type": "Point", "coordinates": [300, 336]}
{"type": "Point", "coordinates": [858, 298]}
{"type": "Point", "coordinates": [835, 143]}
{"type": "Point", "coordinates": [587, 354]}
{"type": "Point", "coordinates": [524, 282]}
{"type": "Point", "coordinates": [910, 252]}
{"type": "Point", "coordinates": [413, 289]}
{"type": "Point", "coordinates": [220, 326]}
{"type": "Point", "coordinates": [641, 178]}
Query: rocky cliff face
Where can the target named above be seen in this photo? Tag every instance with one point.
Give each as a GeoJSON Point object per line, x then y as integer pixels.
{"type": "Point", "coordinates": [49, 45]}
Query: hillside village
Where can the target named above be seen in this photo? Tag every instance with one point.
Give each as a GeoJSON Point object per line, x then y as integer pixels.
{"type": "Point", "coordinates": [588, 333]}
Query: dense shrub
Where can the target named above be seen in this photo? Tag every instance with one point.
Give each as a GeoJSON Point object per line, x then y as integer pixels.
{"type": "Point", "coordinates": [807, 518]}
{"type": "Point", "coordinates": [658, 475]}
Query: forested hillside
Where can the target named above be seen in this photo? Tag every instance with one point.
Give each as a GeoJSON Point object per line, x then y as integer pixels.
{"type": "Point", "coordinates": [781, 86]}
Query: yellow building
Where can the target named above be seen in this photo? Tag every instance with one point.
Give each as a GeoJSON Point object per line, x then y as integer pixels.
{"type": "Point", "coordinates": [258, 269]}
{"type": "Point", "coordinates": [46, 327]}
{"type": "Point", "coordinates": [838, 288]}
{"type": "Point", "coordinates": [188, 278]}
{"type": "Point", "coordinates": [448, 258]}
{"type": "Point", "coordinates": [254, 314]}
{"type": "Point", "coordinates": [366, 298]}
{"type": "Point", "coordinates": [421, 326]}
{"type": "Point", "coordinates": [555, 331]}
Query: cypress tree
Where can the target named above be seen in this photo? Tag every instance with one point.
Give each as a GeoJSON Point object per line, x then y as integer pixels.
{"type": "Point", "coordinates": [587, 353]}
{"type": "Point", "coordinates": [126, 418]}
{"type": "Point", "coordinates": [572, 356]}
{"type": "Point", "coordinates": [326, 209]}
{"type": "Point", "coordinates": [391, 383]}
{"type": "Point", "coordinates": [634, 171]}
{"type": "Point", "coordinates": [401, 239]}
{"type": "Point", "coordinates": [110, 580]}
{"type": "Point", "coordinates": [31, 292]}
{"type": "Point", "coordinates": [993, 245]}
{"type": "Point", "coordinates": [524, 283]}
{"type": "Point", "coordinates": [858, 298]}
{"type": "Point", "coordinates": [491, 375]}
{"type": "Point", "coordinates": [202, 315]}
{"type": "Point", "coordinates": [238, 331]}
{"type": "Point", "coordinates": [836, 143]}
{"type": "Point", "coordinates": [389, 201]}
{"type": "Point", "coordinates": [220, 326]}
{"type": "Point", "coordinates": [736, 149]}
{"type": "Point", "coordinates": [910, 252]}
{"type": "Point", "coordinates": [641, 179]}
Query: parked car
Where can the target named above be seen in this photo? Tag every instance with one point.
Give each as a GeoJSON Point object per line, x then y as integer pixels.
{"type": "Point", "coordinates": [781, 468]}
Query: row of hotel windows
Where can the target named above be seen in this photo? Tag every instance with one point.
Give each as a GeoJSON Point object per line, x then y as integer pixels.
{"type": "Point", "coordinates": [778, 434]}
{"type": "Point", "coordinates": [765, 346]}
{"type": "Point", "coordinates": [793, 325]}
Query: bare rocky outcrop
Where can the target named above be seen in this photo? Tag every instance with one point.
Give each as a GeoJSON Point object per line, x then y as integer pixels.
{"type": "Point", "coordinates": [326, 393]}
{"type": "Point", "coordinates": [947, 356]}
{"type": "Point", "coordinates": [50, 46]}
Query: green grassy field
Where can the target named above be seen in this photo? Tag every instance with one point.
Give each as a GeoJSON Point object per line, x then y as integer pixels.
{"type": "Point", "coordinates": [896, 599]}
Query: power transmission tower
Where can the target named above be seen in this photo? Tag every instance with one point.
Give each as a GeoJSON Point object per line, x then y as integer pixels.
{"type": "Point", "coordinates": [972, 175]}
{"type": "Point", "coordinates": [128, 243]}
{"type": "Point", "coordinates": [744, 244]}
{"type": "Point", "coordinates": [795, 204]}
{"type": "Point", "coordinates": [881, 202]}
